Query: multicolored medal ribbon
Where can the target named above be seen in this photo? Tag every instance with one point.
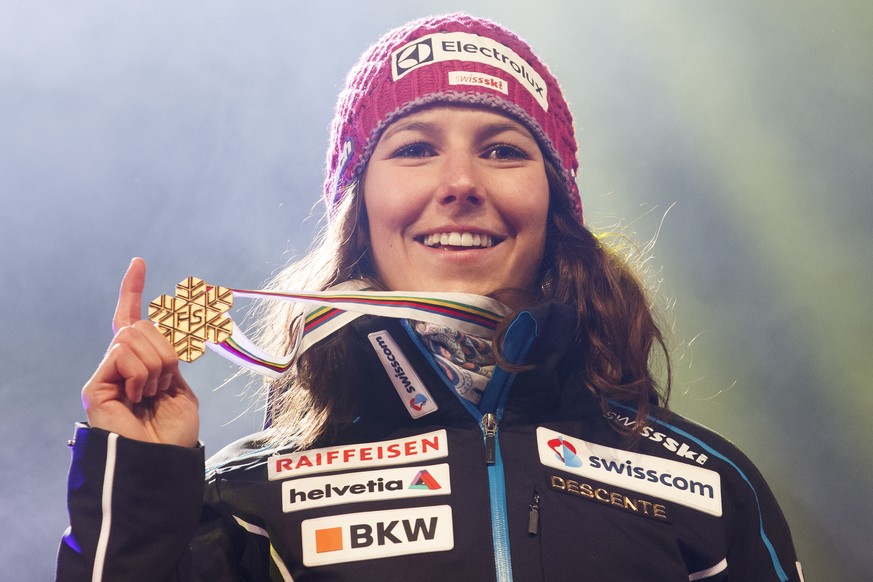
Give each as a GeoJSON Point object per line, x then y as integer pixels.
{"type": "Point", "coordinates": [196, 317]}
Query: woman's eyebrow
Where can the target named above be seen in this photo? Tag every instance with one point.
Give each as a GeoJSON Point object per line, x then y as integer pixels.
{"type": "Point", "coordinates": [485, 132]}
{"type": "Point", "coordinates": [492, 129]}
{"type": "Point", "coordinates": [411, 125]}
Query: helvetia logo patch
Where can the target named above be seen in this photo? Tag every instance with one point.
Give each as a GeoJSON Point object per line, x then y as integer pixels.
{"type": "Point", "coordinates": [310, 492]}
{"type": "Point", "coordinates": [425, 480]}
{"type": "Point", "coordinates": [376, 534]}
{"type": "Point", "coordinates": [688, 485]}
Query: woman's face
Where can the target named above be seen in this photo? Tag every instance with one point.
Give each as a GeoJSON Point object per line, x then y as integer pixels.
{"type": "Point", "coordinates": [457, 200]}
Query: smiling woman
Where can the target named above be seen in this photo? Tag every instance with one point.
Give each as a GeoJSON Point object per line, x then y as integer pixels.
{"type": "Point", "coordinates": [456, 200]}
{"type": "Point", "coordinates": [537, 448]}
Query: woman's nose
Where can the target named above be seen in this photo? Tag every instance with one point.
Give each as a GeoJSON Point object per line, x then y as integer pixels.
{"type": "Point", "coordinates": [461, 182]}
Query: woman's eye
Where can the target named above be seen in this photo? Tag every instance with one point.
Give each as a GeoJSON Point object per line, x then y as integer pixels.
{"type": "Point", "coordinates": [505, 152]}
{"type": "Point", "coordinates": [414, 150]}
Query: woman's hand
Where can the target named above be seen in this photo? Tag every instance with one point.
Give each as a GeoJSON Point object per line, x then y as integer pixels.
{"type": "Point", "coordinates": [137, 390]}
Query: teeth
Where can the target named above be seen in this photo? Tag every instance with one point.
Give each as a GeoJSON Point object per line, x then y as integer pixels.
{"type": "Point", "coordinates": [459, 239]}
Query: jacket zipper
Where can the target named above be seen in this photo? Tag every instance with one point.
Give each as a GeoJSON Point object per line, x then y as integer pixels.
{"type": "Point", "coordinates": [489, 429]}
{"type": "Point", "coordinates": [533, 519]}
{"type": "Point", "coordinates": [488, 416]}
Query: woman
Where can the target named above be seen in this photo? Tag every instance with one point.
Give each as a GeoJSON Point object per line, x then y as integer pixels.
{"type": "Point", "coordinates": [399, 448]}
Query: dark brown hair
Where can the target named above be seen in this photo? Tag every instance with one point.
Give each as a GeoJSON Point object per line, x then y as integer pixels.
{"type": "Point", "coordinates": [616, 336]}
{"type": "Point", "coordinates": [618, 341]}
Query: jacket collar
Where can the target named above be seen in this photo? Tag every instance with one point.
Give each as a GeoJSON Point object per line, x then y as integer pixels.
{"type": "Point", "coordinates": [541, 336]}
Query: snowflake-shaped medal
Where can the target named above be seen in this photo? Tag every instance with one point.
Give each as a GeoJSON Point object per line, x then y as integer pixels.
{"type": "Point", "coordinates": [193, 317]}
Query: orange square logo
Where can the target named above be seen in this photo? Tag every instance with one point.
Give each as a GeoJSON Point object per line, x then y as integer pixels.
{"type": "Point", "coordinates": [328, 540]}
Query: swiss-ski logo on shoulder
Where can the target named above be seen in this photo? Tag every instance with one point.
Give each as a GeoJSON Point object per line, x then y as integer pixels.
{"type": "Point", "coordinates": [409, 387]}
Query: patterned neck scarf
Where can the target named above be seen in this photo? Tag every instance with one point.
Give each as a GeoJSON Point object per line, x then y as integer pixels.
{"type": "Point", "coordinates": [467, 361]}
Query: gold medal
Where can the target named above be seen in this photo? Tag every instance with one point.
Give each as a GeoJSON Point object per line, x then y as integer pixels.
{"type": "Point", "coordinates": [193, 317]}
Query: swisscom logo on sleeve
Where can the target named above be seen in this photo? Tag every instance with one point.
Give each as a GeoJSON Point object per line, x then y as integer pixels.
{"type": "Point", "coordinates": [376, 534]}
{"type": "Point", "coordinates": [333, 489]}
{"type": "Point", "coordinates": [408, 385]}
{"type": "Point", "coordinates": [687, 485]}
{"type": "Point", "coordinates": [411, 449]}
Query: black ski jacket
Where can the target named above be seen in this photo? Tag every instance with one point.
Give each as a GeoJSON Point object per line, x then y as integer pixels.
{"type": "Point", "coordinates": [534, 484]}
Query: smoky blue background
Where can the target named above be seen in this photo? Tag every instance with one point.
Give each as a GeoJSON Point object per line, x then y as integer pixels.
{"type": "Point", "coordinates": [193, 134]}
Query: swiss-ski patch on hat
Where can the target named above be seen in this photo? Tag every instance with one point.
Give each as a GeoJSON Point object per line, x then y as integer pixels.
{"type": "Point", "coordinates": [478, 80]}
{"type": "Point", "coordinates": [463, 46]}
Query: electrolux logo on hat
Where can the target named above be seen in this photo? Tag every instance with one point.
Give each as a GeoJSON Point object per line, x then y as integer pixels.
{"type": "Point", "coordinates": [463, 46]}
{"type": "Point", "coordinates": [418, 53]}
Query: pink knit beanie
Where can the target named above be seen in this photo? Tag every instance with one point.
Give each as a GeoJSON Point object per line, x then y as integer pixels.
{"type": "Point", "coordinates": [455, 59]}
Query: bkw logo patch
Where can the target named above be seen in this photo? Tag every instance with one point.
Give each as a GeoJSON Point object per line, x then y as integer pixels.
{"type": "Point", "coordinates": [376, 534]}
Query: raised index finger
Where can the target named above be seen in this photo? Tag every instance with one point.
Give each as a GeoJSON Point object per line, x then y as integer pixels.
{"type": "Point", "coordinates": [129, 308]}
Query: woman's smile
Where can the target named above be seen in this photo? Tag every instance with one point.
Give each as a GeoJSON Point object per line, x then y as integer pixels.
{"type": "Point", "coordinates": [458, 240]}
